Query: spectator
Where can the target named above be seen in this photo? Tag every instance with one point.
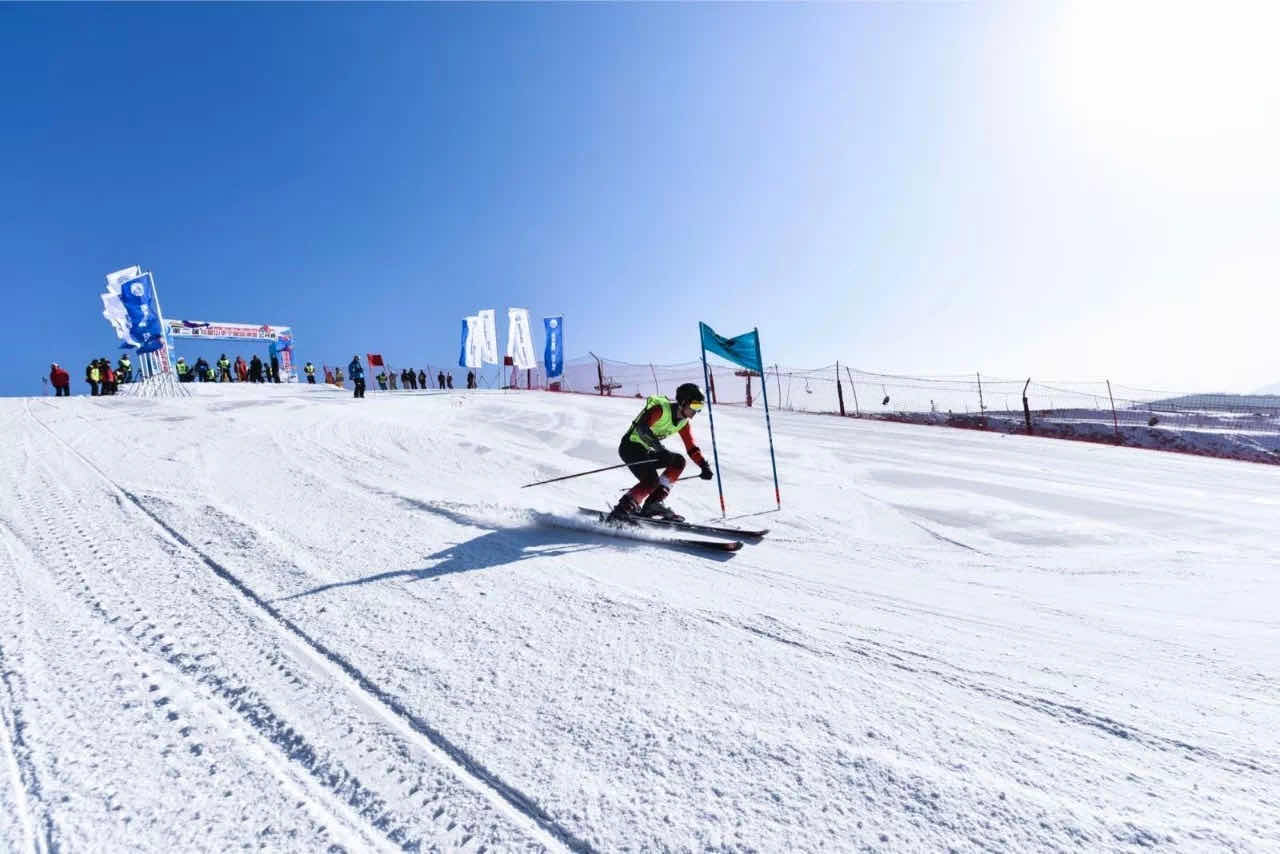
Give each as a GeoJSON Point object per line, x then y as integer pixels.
{"type": "Point", "coordinates": [471, 379]}
{"type": "Point", "coordinates": [108, 376]}
{"type": "Point", "coordinates": [449, 379]}
{"type": "Point", "coordinates": [356, 370]}
{"type": "Point", "coordinates": [274, 351]}
{"type": "Point", "coordinates": [201, 369]}
{"type": "Point", "coordinates": [310, 370]}
{"type": "Point", "coordinates": [391, 380]}
{"type": "Point", "coordinates": [184, 372]}
{"type": "Point", "coordinates": [61, 381]}
{"type": "Point", "coordinates": [337, 376]}
{"type": "Point", "coordinates": [242, 370]}
{"type": "Point", "coordinates": [382, 380]}
{"type": "Point", "coordinates": [224, 369]}
{"type": "Point", "coordinates": [422, 379]}
{"type": "Point", "coordinates": [255, 369]}
{"type": "Point", "coordinates": [124, 369]}
{"type": "Point", "coordinates": [440, 380]}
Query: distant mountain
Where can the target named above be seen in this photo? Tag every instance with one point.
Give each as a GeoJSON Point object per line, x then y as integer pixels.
{"type": "Point", "coordinates": [1274, 388]}
{"type": "Point", "coordinates": [1262, 403]}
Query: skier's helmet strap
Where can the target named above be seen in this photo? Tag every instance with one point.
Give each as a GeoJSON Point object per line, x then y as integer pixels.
{"type": "Point", "coordinates": [689, 393]}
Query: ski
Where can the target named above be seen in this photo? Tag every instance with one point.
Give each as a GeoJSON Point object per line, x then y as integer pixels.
{"type": "Point", "coordinates": [683, 542]}
{"type": "Point", "coordinates": [691, 527]}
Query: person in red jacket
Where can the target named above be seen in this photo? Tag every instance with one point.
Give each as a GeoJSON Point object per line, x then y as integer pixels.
{"type": "Point", "coordinates": [60, 380]}
{"type": "Point", "coordinates": [108, 376]}
{"type": "Point", "coordinates": [641, 448]}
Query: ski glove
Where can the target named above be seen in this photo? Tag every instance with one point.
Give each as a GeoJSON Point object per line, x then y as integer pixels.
{"type": "Point", "coordinates": [706, 471]}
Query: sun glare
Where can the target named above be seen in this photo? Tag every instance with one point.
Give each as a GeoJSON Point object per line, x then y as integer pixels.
{"type": "Point", "coordinates": [1187, 86]}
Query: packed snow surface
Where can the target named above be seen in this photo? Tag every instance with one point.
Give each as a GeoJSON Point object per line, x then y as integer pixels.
{"type": "Point", "coordinates": [280, 617]}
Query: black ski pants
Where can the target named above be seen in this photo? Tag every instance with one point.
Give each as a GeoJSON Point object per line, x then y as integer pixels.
{"type": "Point", "coordinates": [643, 463]}
{"type": "Point", "coordinates": [359, 387]}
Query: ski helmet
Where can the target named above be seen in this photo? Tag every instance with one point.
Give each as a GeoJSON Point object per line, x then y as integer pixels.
{"type": "Point", "coordinates": [688, 393]}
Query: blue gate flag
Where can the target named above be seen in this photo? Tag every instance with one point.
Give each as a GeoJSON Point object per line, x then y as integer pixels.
{"type": "Point", "coordinates": [743, 350]}
{"type": "Point", "coordinates": [139, 299]}
{"type": "Point", "coordinates": [462, 352]}
{"type": "Point", "coordinates": [553, 355]}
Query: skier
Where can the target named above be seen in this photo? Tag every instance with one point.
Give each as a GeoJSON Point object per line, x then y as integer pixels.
{"type": "Point", "coordinates": [310, 370]}
{"type": "Point", "coordinates": [641, 448]}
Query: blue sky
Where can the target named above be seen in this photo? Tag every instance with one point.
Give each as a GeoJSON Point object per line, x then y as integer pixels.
{"type": "Point", "coordinates": [1055, 191]}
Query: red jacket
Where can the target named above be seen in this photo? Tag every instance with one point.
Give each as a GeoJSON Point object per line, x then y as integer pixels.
{"type": "Point", "coordinates": [59, 378]}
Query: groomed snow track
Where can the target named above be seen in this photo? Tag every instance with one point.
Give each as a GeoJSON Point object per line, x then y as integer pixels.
{"type": "Point", "coordinates": [278, 617]}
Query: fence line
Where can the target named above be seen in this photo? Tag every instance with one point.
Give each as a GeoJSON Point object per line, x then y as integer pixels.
{"type": "Point", "coordinates": [1243, 426]}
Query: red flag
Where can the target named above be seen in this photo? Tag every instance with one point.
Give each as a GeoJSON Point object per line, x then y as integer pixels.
{"type": "Point", "coordinates": [375, 359]}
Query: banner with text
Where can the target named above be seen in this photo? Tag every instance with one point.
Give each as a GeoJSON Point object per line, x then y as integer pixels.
{"type": "Point", "coordinates": [553, 353]}
{"type": "Point", "coordinates": [519, 341]}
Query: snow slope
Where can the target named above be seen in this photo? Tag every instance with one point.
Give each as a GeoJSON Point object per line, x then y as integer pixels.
{"type": "Point", "coordinates": [278, 616]}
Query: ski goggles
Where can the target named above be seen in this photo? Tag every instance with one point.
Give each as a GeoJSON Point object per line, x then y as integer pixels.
{"type": "Point", "coordinates": [695, 405]}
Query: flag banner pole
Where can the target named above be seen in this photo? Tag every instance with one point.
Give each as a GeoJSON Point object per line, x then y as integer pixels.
{"type": "Point", "coordinates": [715, 453]}
{"type": "Point", "coordinates": [764, 386]}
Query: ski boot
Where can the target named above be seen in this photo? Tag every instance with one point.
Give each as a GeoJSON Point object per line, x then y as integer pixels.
{"type": "Point", "coordinates": [624, 510]}
{"type": "Point", "coordinates": [654, 507]}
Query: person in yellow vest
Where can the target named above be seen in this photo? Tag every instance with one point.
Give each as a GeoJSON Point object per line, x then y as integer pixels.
{"type": "Point", "coordinates": [224, 369]}
{"type": "Point", "coordinates": [310, 371]}
{"type": "Point", "coordinates": [656, 468]}
{"type": "Point", "coordinates": [184, 372]}
{"type": "Point", "coordinates": [124, 369]}
{"type": "Point", "coordinates": [92, 376]}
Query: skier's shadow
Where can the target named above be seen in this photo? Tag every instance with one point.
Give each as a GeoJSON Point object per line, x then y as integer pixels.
{"type": "Point", "coordinates": [488, 550]}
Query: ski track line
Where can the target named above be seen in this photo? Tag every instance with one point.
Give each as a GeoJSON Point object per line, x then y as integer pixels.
{"type": "Point", "coordinates": [333, 772]}
{"type": "Point", "coordinates": [166, 681]}
{"type": "Point", "coordinates": [22, 771]}
{"type": "Point", "coordinates": [514, 804]}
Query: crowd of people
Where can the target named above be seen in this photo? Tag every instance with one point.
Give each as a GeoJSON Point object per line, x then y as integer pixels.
{"type": "Point", "coordinates": [100, 376]}
{"type": "Point", "coordinates": [225, 371]}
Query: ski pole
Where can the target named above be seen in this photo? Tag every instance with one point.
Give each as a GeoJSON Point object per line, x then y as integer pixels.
{"type": "Point", "coordinates": [686, 477]}
{"type": "Point", "coordinates": [593, 471]}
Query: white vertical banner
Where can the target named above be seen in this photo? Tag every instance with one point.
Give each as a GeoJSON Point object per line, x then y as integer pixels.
{"type": "Point", "coordinates": [489, 332]}
{"type": "Point", "coordinates": [519, 341]}
{"type": "Point", "coordinates": [475, 344]}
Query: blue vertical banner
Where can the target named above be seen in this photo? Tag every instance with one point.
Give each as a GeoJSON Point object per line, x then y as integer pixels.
{"type": "Point", "coordinates": [462, 350]}
{"type": "Point", "coordinates": [138, 296]}
{"type": "Point", "coordinates": [553, 355]}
